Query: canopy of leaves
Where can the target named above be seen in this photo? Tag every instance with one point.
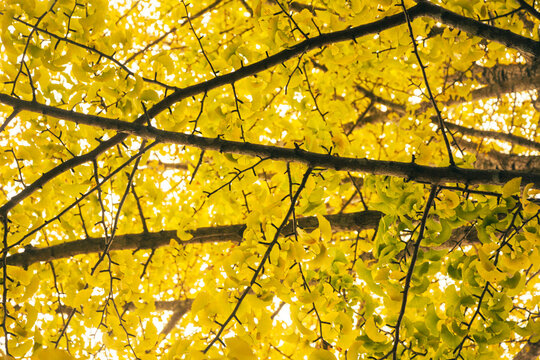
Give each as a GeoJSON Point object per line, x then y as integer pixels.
{"type": "Point", "coordinates": [274, 179]}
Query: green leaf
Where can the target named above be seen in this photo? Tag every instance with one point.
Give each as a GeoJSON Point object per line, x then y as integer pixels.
{"type": "Point", "coordinates": [149, 95]}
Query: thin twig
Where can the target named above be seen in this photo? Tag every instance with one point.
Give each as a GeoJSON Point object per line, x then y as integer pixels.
{"type": "Point", "coordinates": [5, 279]}
{"type": "Point", "coordinates": [173, 30]}
{"type": "Point", "coordinates": [85, 195]}
{"type": "Point", "coordinates": [198, 39]}
{"type": "Point", "coordinates": [119, 210]}
{"type": "Point", "coordinates": [358, 190]}
{"type": "Point", "coordinates": [424, 75]}
{"type": "Point", "coordinates": [11, 116]}
{"type": "Point", "coordinates": [264, 259]}
{"type": "Point", "coordinates": [296, 27]}
{"type": "Point", "coordinates": [27, 44]}
{"type": "Point", "coordinates": [410, 271]}
{"type": "Point", "coordinates": [96, 51]}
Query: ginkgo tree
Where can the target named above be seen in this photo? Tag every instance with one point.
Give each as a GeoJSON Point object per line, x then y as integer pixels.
{"type": "Point", "coordinates": [247, 179]}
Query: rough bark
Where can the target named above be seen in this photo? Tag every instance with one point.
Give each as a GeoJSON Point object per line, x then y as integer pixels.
{"type": "Point", "coordinates": [531, 351]}
{"type": "Point", "coordinates": [495, 135]}
{"type": "Point", "coordinates": [500, 73]}
{"type": "Point", "coordinates": [342, 222]}
{"type": "Point", "coordinates": [492, 159]}
{"type": "Point", "coordinates": [528, 47]}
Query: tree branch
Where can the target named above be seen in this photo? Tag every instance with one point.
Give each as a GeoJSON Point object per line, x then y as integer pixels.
{"type": "Point", "coordinates": [530, 351]}
{"type": "Point", "coordinates": [342, 222]}
{"type": "Point", "coordinates": [410, 271]}
{"type": "Point", "coordinates": [60, 169]}
{"type": "Point", "coordinates": [496, 160]}
{"type": "Point", "coordinates": [358, 221]}
{"type": "Point", "coordinates": [410, 171]}
{"type": "Point", "coordinates": [490, 134]}
{"type": "Point", "coordinates": [422, 9]}
{"type": "Point", "coordinates": [173, 30]}
{"type": "Point", "coordinates": [160, 305]}
{"type": "Point", "coordinates": [528, 47]}
{"type": "Point", "coordinates": [501, 73]}
{"type": "Point", "coordinates": [485, 92]}
{"type": "Point", "coordinates": [530, 9]}
{"type": "Point", "coordinates": [442, 126]}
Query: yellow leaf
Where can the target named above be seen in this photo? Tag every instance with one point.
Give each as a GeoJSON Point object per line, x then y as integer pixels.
{"type": "Point", "coordinates": [534, 238]}
{"type": "Point", "coordinates": [239, 349]}
{"type": "Point", "coordinates": [326, 228]}
{"type": "Point", "coordinates": [451, 199]}
{"type": "Point", "coordinates": [484, 260]}
{"type": "Point", "coordinates": [531, 208]}
{"type": "Point", "coordinates": [321, 354]}
{"type": "Point", "coordinates": [51, 354]}
{"type": "Point", "coordinates": [511, 187]}
{"type": "Point", "coordinates": [196, 355]}
{"type": "Point", "coordinates": [372, 331]}
{"type": "Point", "coordinates": [20, 275]}
{"type": "Point", "coordinates": [322, 259]}
{"type": "Point", "coordinates": [355, 350]}
{"type": "Point", "coordinates": [492, 276]}
{"type": "Point", "coordinates": [200, 302]}
{"type": "Point", "coordinates": [304, 330]}
{"type": "Point", "coordinates": [183, 235]}
{"type": "Point", "coordinates": [526, 189]}
{"type": "Point", "coordinates": [21, 348]}
{"type": "Point", "coordinates": [307, 296]}
{"type": "Point", "coordinates": [357, 6]}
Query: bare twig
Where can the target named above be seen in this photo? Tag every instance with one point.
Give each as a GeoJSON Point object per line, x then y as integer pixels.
{"type": "Point", "coordinates": [265, 258]}
{"type": "Point", "coordinates": [119, 210]}
{"type": "Point", "coordinates": [431, 97]}
{"type": "Point", "coordinates": [410, 271]}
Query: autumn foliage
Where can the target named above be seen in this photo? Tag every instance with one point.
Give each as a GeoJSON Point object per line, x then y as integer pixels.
{"type": "Point", "coordinates": [269, 179]}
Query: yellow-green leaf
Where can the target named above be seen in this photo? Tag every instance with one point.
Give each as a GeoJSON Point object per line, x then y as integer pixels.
{"type": "Point", "coordinates": [511, 187]}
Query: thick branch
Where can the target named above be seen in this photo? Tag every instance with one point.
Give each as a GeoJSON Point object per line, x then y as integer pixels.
{"type": "Point", "coordinates": [357, 221]}
{"type": "Point", "coordinates": [528, 47]}
{"type": "Point", "coordinates": [496, 89]}
{"type": "Point", "coordinates": [485, 92]}
{"type": "Point", "coordinates": [530, 351]}
{"type": "Point", "coordinates": [342, 222]}
{"type": "Point", "coordinates": [493, 159]}
{"type": "Point", "coordinates": [160, 305]}
{"type": "Point", "coordinates": [181, 308]}
{"type": "Point", "coordinates": [411, 171]}
{"type": "Point", "coordinates": [490, 134]}
{"type": "Point", "coordinates": [422, 9]}
{"type": "Point", "coordinates": [160, 165]}
{"type": "Point", "coordinates": [60, 169]}
{"type": "Point", "coordinates": [501, 73]}
{"type": "Point", "coordinates": [180, 94]}
{"type": "Point", "coordinates": [530, 9]}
